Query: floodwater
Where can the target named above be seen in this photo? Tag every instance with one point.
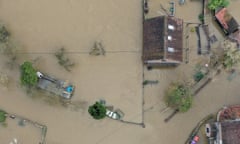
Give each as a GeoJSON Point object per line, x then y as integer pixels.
{"type": "Point", "coordinates": [26, 133]}
{"type": "Point", "coordinates": [39, 28]}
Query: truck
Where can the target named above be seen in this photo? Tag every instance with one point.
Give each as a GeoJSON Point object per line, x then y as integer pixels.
{"type": "Point", "coordinates": [58, 87]}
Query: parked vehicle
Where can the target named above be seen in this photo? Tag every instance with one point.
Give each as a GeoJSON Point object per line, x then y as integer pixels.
{"type": "Point", "coordinates": [113, 115]}
{"type": "Point", "coordinates": [145, 6]}
{"type": "Point", "coordinates": [172, 8]}
{"type": "Point", "coordinates": [55, 86]}
{"type": "Point", "coordinates": [195, 140]}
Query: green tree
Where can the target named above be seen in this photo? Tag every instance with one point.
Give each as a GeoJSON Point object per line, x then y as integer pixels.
{"type": "Point", "coordinates": [28, 74]}
{"type": "Point", "coordinates": [2, 116]}
{"type": "Point", "coordinates": [214, 4]}
{"type": "Point", "coordinates": [231, 55]}
{"type": "Point", "coordinates": [97, 111]}
{"type": "Point", "coordinates": [231, 58]}
{"type": "Point", "coordinates": [179, 97]}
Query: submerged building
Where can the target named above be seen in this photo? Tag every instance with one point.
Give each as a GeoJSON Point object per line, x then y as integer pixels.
{"type": "Point", "coordinates": [227, 128]}
{"type": "Point", "coordinates": [229, 25]}
{"type": "Point", "coordinates": [162, 41]}
{"type": "Point", "coordinates": [226, 21]}
{"type": "Point", "coordinates": [55, 86]}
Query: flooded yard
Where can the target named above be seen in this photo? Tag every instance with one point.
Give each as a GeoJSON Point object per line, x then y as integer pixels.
{"type": "Point", "coordinates": [17, 131]}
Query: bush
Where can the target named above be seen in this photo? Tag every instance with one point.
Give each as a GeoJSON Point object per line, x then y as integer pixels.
{"type": "Point", "coordinates": [28, 74]}
{"type": "Point", "coordinates": [179, 97]}
{"type": "Point", "coordinates": [198, 76]}
{"type": "Point", "coordinates": [97, 111]}
{"type": "Point", "coordinates": [2, 116]}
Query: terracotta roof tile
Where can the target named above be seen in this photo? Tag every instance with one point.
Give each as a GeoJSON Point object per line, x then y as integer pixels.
{"type": "Point", "coordinates": [226, 21]}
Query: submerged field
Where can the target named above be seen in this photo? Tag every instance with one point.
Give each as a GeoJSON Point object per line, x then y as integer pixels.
{"type": "Point", "coordinates": [39, 28]}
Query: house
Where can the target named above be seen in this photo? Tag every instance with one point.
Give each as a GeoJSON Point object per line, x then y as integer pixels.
{"type": "Point", "coordinates": [162, 41]}
{"type": "Point", "coordinates": [226, 21]}
{"type": "Point", "coordinates": [227, 128]}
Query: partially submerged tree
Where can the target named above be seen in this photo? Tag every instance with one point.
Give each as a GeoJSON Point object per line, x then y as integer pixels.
{"type": "Point", "coordinates": [4, 38]}
{"type": "Point", "coordinates": [63, 60]}
{"type": "Point", "coordinates": [179, 96]}
{"type": "Point", "coordinates": [28, 74]}
{"type": "Point", "coordinates": [199, 72]}
{"type": "Point", "coordinates": [4, 34]}
{"type": "Point", "coordinates": [214, 4]}
{"type": "Point", "coordinates": [97, 111]}
{"type": "Point", "coordinates": [8, 46]}
{"type": "Point", "coordinates": [231, 55]}
{"type": "Point", "coordinates": [2, 116]}
{"type": "Point", "coordinates": [97, 49]}
{"type": "Point", "coordinates": [198, 76]}
{"type": "Point", "coordinates": [4, 79]}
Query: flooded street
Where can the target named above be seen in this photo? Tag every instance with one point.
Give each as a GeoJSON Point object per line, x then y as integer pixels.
{"type": "Point", "coordinates": [40, 28]}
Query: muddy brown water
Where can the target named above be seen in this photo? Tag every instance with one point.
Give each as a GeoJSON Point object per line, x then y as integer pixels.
{"type": "Point", "coordinates": [39, 28]}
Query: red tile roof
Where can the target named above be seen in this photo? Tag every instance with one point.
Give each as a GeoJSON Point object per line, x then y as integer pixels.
{"type": "Point", "coordinates": [220, 15]}
{"type": "Point", "coordinates": [226, 21]}
{"type": "Point", "coordinates": [230, 124]}
{"type": "Point", "coordinates": [230, 113]}
{"type": "Point", "coordinates": [230, 132]}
